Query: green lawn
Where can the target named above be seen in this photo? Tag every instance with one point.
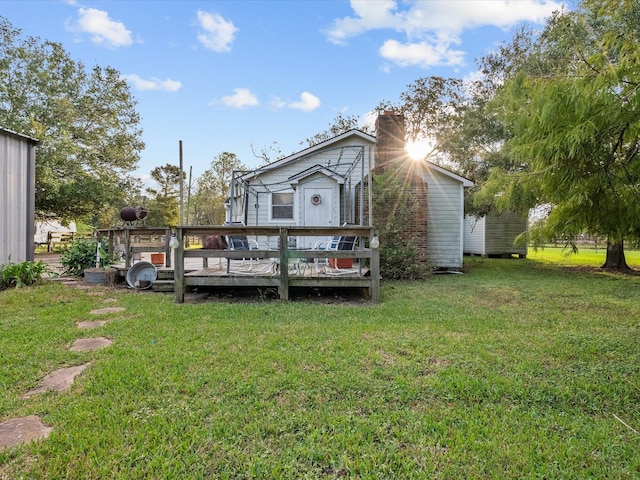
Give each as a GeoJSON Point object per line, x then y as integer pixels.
{"type": "Point", "coordinates": [516, 369]}
{"type": "Point", "coordinates": [587, 255]}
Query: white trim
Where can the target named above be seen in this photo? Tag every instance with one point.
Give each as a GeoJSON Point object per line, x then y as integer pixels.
{"type": "Point", "coordinates": [465, 181]}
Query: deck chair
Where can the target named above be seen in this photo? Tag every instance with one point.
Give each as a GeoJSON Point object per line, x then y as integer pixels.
{"type": "Point", "coordinates": [338, 265]}
{"type": "Point", "coordinates": [242, 243]}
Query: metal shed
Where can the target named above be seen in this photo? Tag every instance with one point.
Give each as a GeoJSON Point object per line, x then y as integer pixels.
{"type": "Point", "coordinates": [17, 196]}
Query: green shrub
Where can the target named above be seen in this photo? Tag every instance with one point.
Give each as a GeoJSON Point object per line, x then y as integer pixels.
{"type": "Point", "coordinates": [392, 213]}
{"type": "Point", "coordinates": [22, 274]}
{"type": "Point", "coordinates": [81, 254]}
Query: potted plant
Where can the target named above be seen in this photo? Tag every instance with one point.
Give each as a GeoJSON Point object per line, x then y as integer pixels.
{"type": "Point", "coordinates": [89, 258]}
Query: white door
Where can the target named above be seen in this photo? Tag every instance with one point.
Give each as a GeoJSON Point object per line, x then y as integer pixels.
{"type": "Point", "coordinates": [317, 212]}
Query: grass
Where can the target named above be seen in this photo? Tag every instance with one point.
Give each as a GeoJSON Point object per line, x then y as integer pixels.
{"type": "Point", "coordinates": [586, 256]}
{"type": "Point", "coordinates": [517, 369]}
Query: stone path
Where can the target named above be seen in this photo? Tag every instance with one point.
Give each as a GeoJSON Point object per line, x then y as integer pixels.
{"type": "Point", "coordinates": [87, 344]}
{"type": "Point", "coordinates": [22, 430]}
{"type": "Point", "coordinates": [101, 311]}
{"type": "Point", "coordinates": [89, 324]}
{"type": "Point", "coordinates": [60, 380]}
{"type": "Point", "coordinates": [26, 429]}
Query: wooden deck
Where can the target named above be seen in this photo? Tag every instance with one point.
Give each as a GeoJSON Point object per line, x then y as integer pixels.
{"type": "Point", "coordinates": [262, 268]}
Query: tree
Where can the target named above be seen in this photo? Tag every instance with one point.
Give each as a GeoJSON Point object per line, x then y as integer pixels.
{"type": "Point", "coordinates": [85, 119]}
{"type": "Point", "coordinates": [164, 205]}
{"type": "Point", "coordinates": [340, 124]}
{"type": "Point", "coordinates": [572, 104]}
{"type": "Point", "coordinates": [268, 154]}
{"type": "Point", "coordinates": [213, 189]}
{"type": "Point", "coordinates": [451, 115]}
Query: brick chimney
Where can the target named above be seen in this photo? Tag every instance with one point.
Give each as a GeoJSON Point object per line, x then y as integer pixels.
{"type": "Point", "coordinates": [390, 141]}
{"type": "Point", "coordinates": [390, 154]}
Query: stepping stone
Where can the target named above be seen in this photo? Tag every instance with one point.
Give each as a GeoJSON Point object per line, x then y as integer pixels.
{"type": "Point", "coordinates": [22, 430]}
{"type": "Point", "coordinates": [90, 324]}
{"type": "Point", "coordinates": [87, 344]}
{"type": "Point", "coordinates": [101, 311]}
{"type": "Point", "coordinates": [110, 300]}
{"type": "Point", "coordinates": [59, 380]}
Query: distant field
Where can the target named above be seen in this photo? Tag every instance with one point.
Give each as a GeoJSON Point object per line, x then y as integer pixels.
{"type": "Point", "coordinates": [587, 256]}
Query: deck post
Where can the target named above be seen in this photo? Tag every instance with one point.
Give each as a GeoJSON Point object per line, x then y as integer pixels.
{"type": "Point", "coordinates": [109, 240]}
{"type": "Point", "coordinates": [178, 270]}
{"type": "Point", "coordinates": [167, 248]}
{"type": "Point", "coordinates": [374, 290]}
{"type": "Point", "coordinates": [127, 248]}
{"type": "Point", "coordinates": [283, 288]}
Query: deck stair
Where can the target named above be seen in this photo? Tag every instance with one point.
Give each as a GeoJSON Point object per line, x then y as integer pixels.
{"type": "Point", "coordinates": [164, 282]}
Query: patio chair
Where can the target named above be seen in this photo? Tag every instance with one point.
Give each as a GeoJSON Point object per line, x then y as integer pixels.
{"type": "Point", "coordinates": [339, 265]}
{"type": "Point", "coordinates": [242, 243]}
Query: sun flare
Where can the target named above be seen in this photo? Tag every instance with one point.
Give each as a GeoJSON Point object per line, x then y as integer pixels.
{"type": "Point", "coordinates": [419, 149]}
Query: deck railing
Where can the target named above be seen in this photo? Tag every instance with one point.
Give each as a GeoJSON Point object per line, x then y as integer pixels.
{"type": "Point", "coordinates": [274, 246]}
{"type": "Point", "coordinates": [282, 254]}
{"type": "Point", "coordinates": [134, 241]}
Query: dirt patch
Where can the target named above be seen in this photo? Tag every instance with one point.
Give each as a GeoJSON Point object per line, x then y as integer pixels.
{"type": "Point", "coordinates": [88, 344]}
{"type": "Point", "coordinates": [344, 296]}
{"type": "Point", "coordinates": [60, 380]}
{"type": "Point", "coordinates": [22, 430]}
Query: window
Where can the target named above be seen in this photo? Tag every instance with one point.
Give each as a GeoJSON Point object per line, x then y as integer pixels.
{"type": "Point", "coordinates": [282, 206]}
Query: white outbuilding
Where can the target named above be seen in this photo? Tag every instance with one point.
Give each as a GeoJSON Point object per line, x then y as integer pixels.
{"type": "Point", "coordinates": [494, 234]}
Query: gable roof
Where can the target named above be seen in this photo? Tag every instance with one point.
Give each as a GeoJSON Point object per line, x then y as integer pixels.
{"type": "Point", "coordinates": [295, 179]}
{"type": "Point", "coordinates": [354, 132]}
{"type": "Point", "coordinates": [465, 181]}
{"type": "Point", "coordinates": [311, 150]}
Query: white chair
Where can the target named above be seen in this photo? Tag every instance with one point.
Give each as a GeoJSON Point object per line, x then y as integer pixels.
{"type": "Point", "coordinates": [337, 265]}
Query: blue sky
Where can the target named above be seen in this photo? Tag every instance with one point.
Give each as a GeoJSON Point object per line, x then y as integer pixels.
{"type": "Point", "coordinates": [236, 75]}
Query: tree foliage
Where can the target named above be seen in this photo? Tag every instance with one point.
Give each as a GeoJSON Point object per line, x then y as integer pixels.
{"type": "Point", "coordinates": [164, 204]}
{"type": "Point", "coordinates": [213, 189]}
{"type": "Point", "coordinates": [572, 103]}
{"type": "Point", "coordinates": [451, 115]}
{"type": "Point", "coordinates": [85, 119]}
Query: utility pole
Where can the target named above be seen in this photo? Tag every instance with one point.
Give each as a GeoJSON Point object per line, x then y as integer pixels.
{"type": "Point", "coordinates": [181, 187]}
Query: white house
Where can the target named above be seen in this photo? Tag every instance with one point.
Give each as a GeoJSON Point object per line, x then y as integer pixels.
{"type": "Point", "coordinates": [318, 186]}
{"type": "Point", "coordinates": [17, 196]}
{"type": "Point", "coordinates": [321, 186]}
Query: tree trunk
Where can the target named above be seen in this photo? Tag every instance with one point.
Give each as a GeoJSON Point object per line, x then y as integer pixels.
{"type": "Point", "coordinates": [615, 256]}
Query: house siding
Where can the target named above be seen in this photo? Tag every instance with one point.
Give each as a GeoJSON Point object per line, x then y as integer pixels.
{"type": "Point", "coordinates": [444, 220]}
{"type": "Point", "coordinates": [17, 197]}
{"type": "Point", "coordinates": [474, 235]}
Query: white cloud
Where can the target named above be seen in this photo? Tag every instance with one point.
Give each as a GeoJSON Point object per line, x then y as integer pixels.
{"type": "Point", "coordinates": [216, 33]}
{"type": "Point", "coordinates": [102, 29]}
{"type": "Point", "coordinates": [242, 97]}
{"type": "Point", "coordinates": [422, 54]}
{"type": "Point", "coordinates": [370, 16]}
{"type": "Point", "coordinates": [430, 28]}
{"type": "Point", "coordinates": [139, 83]}
{"type": "Point", "coordinates": [308, 102]}
{"type": "Point", "coordinates": [277, 102]}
